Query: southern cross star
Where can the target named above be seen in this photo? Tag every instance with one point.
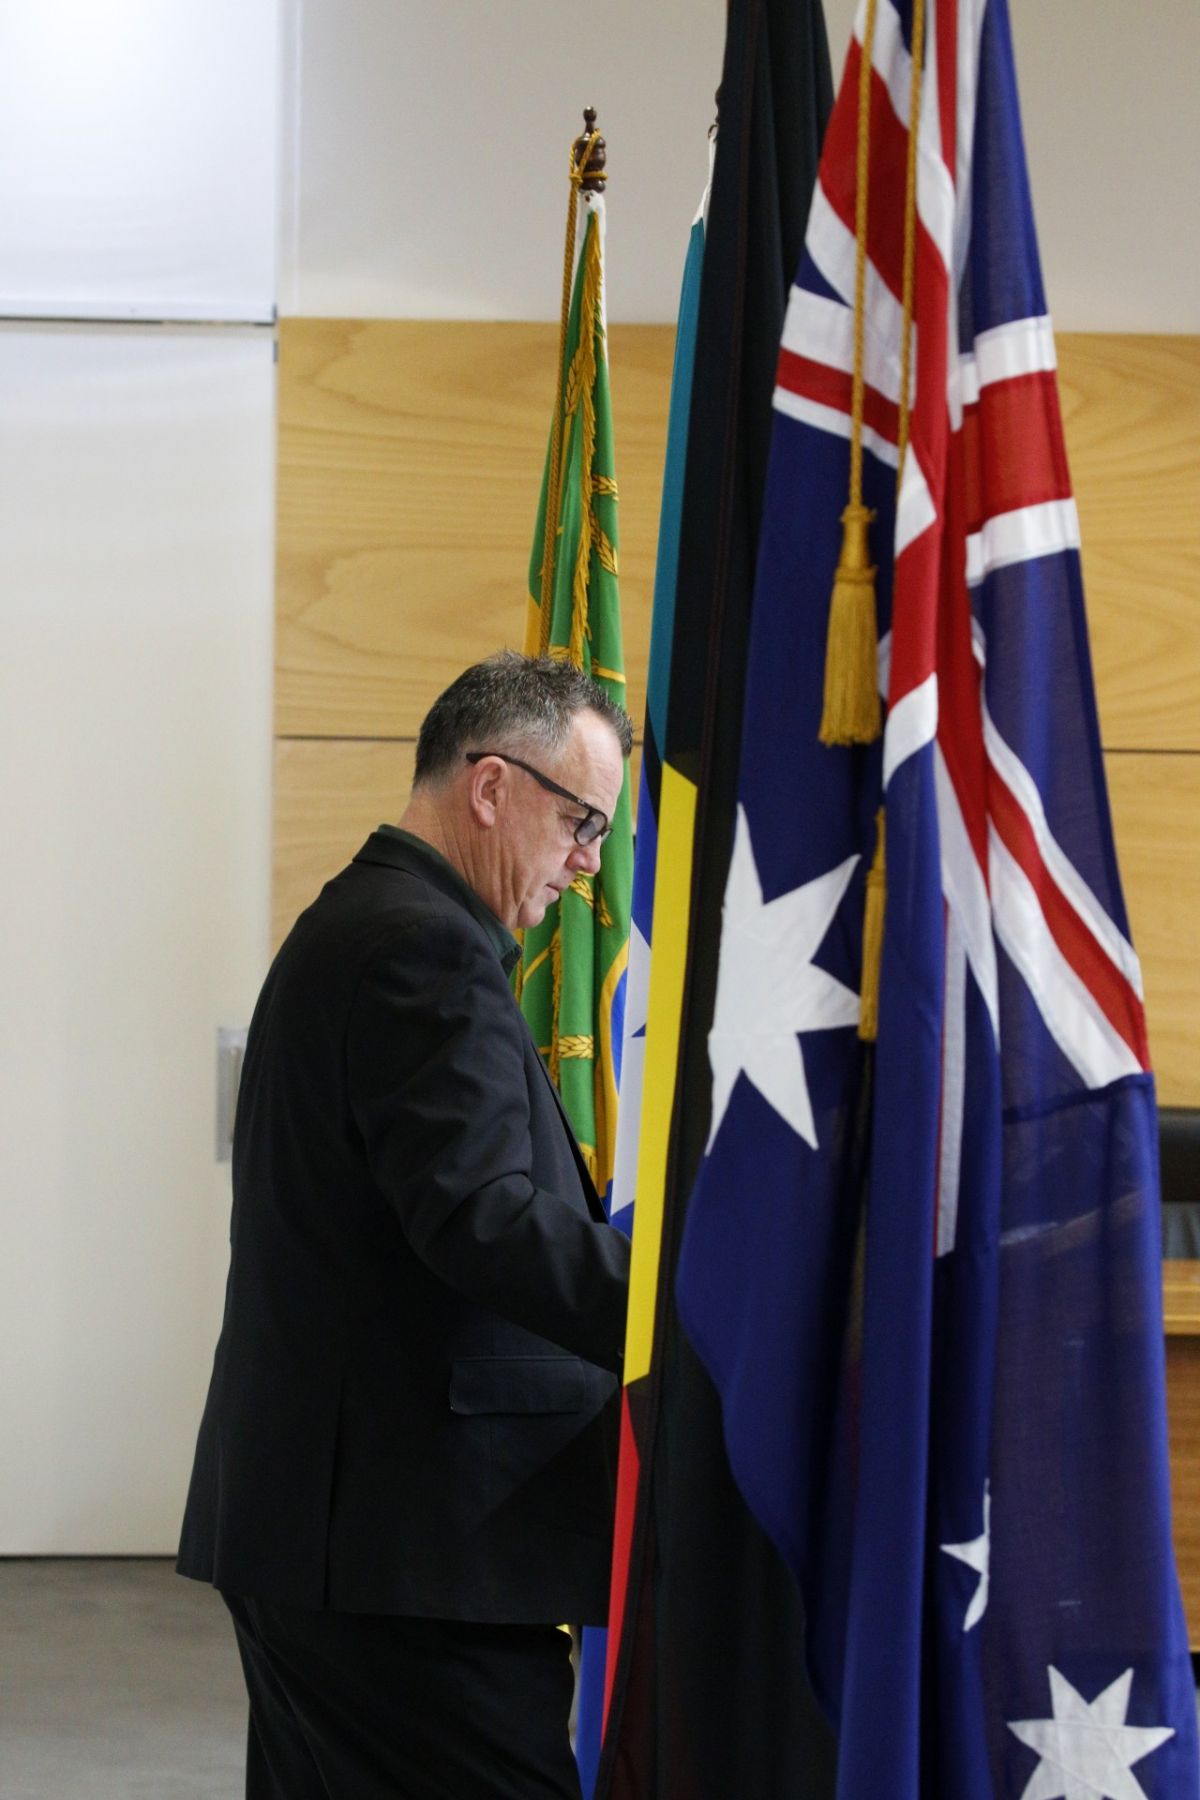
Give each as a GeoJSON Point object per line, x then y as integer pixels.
{"type": "Point", "coordinates": [1087, 1749]}
{"type": "Point", "coordinates": [768, 989]}
{"type": "Point", "coordinates": [977, 1555]}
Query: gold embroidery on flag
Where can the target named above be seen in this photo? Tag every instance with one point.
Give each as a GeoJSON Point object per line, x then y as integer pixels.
{"type": "Point", "coordinates": [539, 959]}
{"type": "Point", "coordinates": [602, 544]}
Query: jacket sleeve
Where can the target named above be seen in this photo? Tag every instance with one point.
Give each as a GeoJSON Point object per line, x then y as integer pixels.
{"type": "Point", "coordinates": [437, 1085]}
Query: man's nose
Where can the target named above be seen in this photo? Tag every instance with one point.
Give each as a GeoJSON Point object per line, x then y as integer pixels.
{"type": "Point", "coordinates": [586, 857]}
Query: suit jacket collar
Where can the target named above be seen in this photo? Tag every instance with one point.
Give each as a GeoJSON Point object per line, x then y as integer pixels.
{"type": "Point", "coordinates": [394, 848]}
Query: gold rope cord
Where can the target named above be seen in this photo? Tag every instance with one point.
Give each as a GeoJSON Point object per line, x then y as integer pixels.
{"type": "Point", "coordinates": [850, 711]}
{"type": "Point", "coordinates": [581, 390]}
{"type": "Point", "coordinates": [861, 177]}
{"type": "Point", "coordinates": [876, 901]}
{"type": "Point", "coordinates": [910, 234]}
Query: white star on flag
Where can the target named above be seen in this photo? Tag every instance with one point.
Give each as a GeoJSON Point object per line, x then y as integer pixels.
{"type": "Point", "coordinates": [1087, 1749]}
{"type": "Point", "coordinates": [768, 990]}
{"type": "Point", "coordinates": [977, 1554]}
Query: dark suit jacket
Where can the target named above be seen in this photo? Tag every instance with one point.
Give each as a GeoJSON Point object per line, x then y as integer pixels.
{"type": "Point", "coordinates": [410, 1409]}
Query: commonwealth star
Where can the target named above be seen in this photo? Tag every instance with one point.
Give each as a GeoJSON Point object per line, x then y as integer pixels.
{"type": "Point", "coordinates": [768, 990]}
{"type": "Point", "coordinates": [1087, 1749]}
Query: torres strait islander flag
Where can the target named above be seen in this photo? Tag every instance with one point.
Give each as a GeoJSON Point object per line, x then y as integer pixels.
{"type": "Point", "coordinates": [924, 1276]}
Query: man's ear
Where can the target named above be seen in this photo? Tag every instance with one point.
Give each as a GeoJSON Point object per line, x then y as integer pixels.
{"type": "Point", "coordinates": [485, 785]}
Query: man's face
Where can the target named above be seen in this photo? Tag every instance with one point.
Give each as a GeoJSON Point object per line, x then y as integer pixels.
{"type": "Point", "coordinates": [540, 854]}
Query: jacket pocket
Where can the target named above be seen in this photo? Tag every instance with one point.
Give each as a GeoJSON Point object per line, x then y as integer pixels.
{"type": "Point", "coordinates": [517, 1384]}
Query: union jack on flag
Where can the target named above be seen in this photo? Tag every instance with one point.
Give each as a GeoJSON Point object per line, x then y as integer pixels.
{"type": "Point", "coordinates": [925, 1278]}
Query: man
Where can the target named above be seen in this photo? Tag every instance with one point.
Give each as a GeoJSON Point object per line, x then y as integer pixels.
{"type": "Point", "coordinates": [404, 1475]}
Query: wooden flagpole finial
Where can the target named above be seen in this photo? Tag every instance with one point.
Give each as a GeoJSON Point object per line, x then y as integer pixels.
{"type": "Point", "coordinates": [589, 154]}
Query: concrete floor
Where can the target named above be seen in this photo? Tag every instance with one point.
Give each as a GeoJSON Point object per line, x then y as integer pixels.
{"type": "Point", "coordinates": [118, 1681]}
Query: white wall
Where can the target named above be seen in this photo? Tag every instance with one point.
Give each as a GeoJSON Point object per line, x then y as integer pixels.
{"type": "Point", "coordinates": [138, 158]}
{"type": "Point", "coordinates": [427, 144]}
{"type": "Point", "coordinates": [135, 561]}
{"type": "Point", "coordinates": [136, 587]}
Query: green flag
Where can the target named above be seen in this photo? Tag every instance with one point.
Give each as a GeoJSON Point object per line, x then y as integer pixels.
{"type": "Point", "coordinates": [572, 976]}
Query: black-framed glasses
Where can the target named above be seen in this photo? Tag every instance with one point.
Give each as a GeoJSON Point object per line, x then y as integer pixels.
{"type": "Point", "coordinates": [593, 827]}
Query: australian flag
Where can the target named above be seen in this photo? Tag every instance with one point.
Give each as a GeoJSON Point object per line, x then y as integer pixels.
{"type": "Point", "coordinates": [924, 1275]}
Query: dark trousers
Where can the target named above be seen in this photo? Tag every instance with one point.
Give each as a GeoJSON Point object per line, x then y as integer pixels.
{"type": "Point", "coordinates": [348, 1706]}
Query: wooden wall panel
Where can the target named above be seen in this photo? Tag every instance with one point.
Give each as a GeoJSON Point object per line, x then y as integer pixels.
{"type": "Point", "coordinates": [329, 795]}
{"type": "Point", "coordinates": [410, 455]}
{"type": "Point", "coordinates": [1131, 410]}
{"type": "Point", "coordinates": [409, 459]}
{"type": "Point", "coordinates": [328, 798]}
{"type": "Point", "coordinates": [1183, 1415]}
{"type": "Point", "coordinates": [1156, 820]}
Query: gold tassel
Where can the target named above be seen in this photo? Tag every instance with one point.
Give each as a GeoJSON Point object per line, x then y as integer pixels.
{"type": "Point", "coordinates": [868, 1010]}
{"type": "Point", "coordinates": [851, 714]}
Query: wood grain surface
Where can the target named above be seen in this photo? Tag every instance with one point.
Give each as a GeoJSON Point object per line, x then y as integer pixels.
{"type": "Point", "coordinates": [410, 458]}
{"type": "Point", "coordinates": [410, 454]}
{"type": "Point", "coordinates": [1183, 1416]}
{"type": "Point", "coordinates": [1181, 1297]}
{"type": "Point", "coordinates": [1181, 1321]}
{"type": "Point", "coordinates": [1156, 820]}
{"type": "Point", "coordinates": [329, 797]}
{"type": "Point", "coordinates": [1131, 410]}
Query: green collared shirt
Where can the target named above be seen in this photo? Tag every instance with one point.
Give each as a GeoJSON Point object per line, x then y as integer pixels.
{"type": "Point", "coordinates": [502, 940]}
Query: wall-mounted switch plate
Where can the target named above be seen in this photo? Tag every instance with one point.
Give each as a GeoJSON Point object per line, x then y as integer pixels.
{"type": "Point", "coordinates": [231, 1047]}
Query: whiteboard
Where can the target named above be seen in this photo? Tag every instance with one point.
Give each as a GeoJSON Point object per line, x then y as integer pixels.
{"type": "Point", "coordinates": [139, 158]}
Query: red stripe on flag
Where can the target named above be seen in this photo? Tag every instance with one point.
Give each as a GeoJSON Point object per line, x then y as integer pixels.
{"type": "Point", "coordinates": [914, 615]}
{"type": "Point", "coordinates": [831, 387]}
{"type": "Point", "coordinates": [628, 1472]}
{"type": "Point", "coordinates": [915, 596]}
{"type": "Point", "coordinates": [1013, 447]}
{"type": "Point", "coordinates": [1090, 961]}
{"type": "Point", "coordinates": [947, 74]}
{"type": "Point", "coordinates": [886, 174]}
{"type": "Point", "coordinates": [960, 680]}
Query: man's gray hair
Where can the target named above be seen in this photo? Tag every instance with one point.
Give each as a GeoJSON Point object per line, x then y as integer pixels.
{"type": "Point", "coordinates": [515, 703]}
